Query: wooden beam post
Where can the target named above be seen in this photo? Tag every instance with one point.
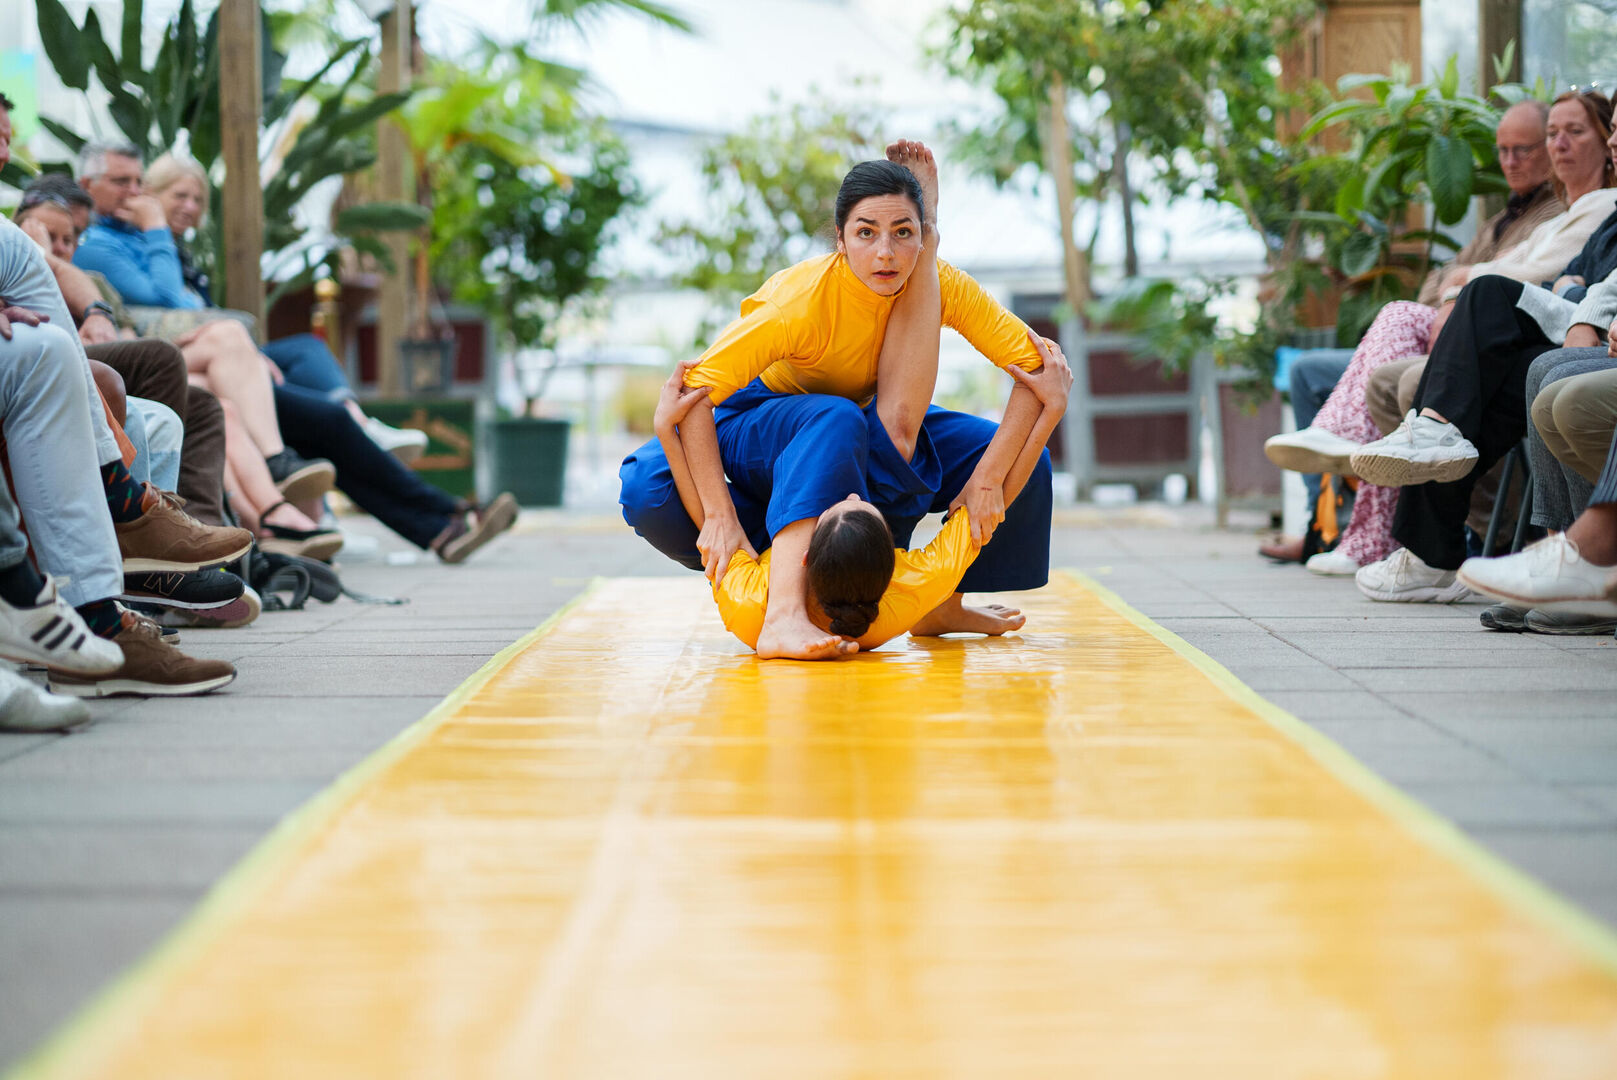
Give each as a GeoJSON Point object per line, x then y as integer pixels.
{"type": "Point", "coordinates": [395, 182]}
{"type": "Point", "coordinates": [240, 106]}
{"type": "Point", "coordinates": [1499, 22]}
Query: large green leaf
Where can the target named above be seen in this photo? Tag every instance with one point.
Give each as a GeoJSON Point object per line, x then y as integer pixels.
{"type": "Point", "coordinates": [275, 107]}
{"type": "Point", "coordinates": [1448, 176]}
{"type": "Point", "coordinates": [1350, 196]}
{"type": "Point", "coordinates": [129, 52]}
{"type": "Point", "coordinates": [15, 174]}
{"type": "Point", "coordinates": [64, 44]}
{"type": "Point", "coordinates": [1360, 253]}
{"type": "Point", "coordinates": [64, 134]}
{"type": "Point", "coordinates": [382, 217]}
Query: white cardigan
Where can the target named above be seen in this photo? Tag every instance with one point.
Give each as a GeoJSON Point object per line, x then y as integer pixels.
{"type": "Point", "coordinates": [1548, 248]}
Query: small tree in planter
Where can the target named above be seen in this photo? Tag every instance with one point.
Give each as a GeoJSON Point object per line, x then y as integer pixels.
{"type": "Point", "coordinates": [522, 243]}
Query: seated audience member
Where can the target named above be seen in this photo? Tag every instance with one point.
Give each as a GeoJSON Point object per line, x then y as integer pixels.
{"type": "Point", "coordinates": [1312, 378]}
{"type": "Point", "coordinates": [1569, 138]}
{"type": "Point", "coordinates": [1473, 408]}
{"type": "Point", "coordinates": [151, 369]}
{"type": "Point", "coordinates": [1567, 582]}
{"type": "Point", "coordinates": [278, 417]}
{"type": "Point", "coordinates": [87, 529]}
{"type": "Point", "coordinates": [38, 627]}
{"type": "Point", "coordinates": [181, 186]}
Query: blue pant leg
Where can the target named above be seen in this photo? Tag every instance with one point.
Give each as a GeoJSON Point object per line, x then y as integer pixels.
{"type": "Point", "coordinates": [796, 454]}
{"type": "Point", "coordinates": [307, 361]}
{"type": "Point", "coordinates": [1312, 380]}
{"type": "Point", "coordinates": [1018, 557]}
{"type": "Point", "coordinates": [651, 506]}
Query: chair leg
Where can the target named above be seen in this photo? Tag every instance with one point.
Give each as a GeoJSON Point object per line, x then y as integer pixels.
{"type": "Point", "coordinates": [1501, 500]}
{"type": "Point", "coordinates": [1525, 517]}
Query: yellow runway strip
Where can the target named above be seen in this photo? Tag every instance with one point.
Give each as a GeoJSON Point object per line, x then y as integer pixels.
{"type": "Point", "coordinates": [633, 851]}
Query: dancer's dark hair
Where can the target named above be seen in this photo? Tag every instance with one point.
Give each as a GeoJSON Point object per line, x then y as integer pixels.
{"type": "Point", "coordinates": [870, 178]}
{"type": "Point", "coordinates": [850, 564]}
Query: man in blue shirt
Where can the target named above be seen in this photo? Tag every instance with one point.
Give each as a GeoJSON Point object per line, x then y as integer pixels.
{"type": "Point", "coordinates": [128, 241]}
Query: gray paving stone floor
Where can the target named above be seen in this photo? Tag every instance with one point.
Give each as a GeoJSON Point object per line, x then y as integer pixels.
{"type": "Point", "coordinates": [109, 836]}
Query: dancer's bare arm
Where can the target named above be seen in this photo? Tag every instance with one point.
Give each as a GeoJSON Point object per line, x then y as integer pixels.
{"type": "Point", "coordinates": [721, 535]}
{"type": "Point", "coordinates": [673, 405]}
{"type": "Point", "coordinates": [1051, 385]}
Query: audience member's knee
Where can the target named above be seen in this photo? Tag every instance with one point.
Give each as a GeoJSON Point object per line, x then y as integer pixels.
{"type": "Point", "coordinates": [113, 392]}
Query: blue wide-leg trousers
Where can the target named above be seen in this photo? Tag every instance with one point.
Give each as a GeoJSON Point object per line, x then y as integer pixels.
{"type": "Point", "coordinates": [792, 456]}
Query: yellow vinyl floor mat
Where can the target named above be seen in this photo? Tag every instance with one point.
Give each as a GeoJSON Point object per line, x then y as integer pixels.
{"type": "Point", "coordinates": [628, 849]}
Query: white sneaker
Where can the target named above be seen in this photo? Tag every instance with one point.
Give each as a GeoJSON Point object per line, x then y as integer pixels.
{"type": "Point", "coordinates": [51, 633]}
{"type": "Point", "coordinates": [1332, 564]}
{"type": "Point", "coordinates": [26, 707]}
{"type": "Point", "coordinates": [1403, 578]}
{"type": "Point", "coordinates": [1547, 576]}
{"type": "Point", "coordinates": [406, 444]}
{"type": "Point", "coordinates": [1312, 450]}
{"type": "Point", "coordinates": [1419, 451]}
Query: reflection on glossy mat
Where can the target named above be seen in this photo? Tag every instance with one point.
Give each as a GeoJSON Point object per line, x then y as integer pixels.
{"type": "Point", "coordinates": [635, 851]}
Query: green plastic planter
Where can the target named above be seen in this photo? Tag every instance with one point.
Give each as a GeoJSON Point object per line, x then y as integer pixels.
{"type": "Point", "coordinates": [530, 459]}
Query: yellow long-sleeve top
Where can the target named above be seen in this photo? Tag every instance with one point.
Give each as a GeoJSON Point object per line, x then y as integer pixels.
{"type": "Point", "coordinates": [922, 579]}
{"type": "Point", "coordinates": [815, 328]}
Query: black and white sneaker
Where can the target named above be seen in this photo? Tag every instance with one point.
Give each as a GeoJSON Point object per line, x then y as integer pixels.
{"type": "Point", "coordinates": [239, 612]}
{"type": "Point", "coordinates": [51, 633]}
{"type": "Point", "coordinates": [194, 591]}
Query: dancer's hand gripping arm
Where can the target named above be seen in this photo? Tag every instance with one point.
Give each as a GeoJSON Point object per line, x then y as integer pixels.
{"type": "Point", "coordinates": [721, 534]}
{"type": "Point", "coordinates": [988, 492]}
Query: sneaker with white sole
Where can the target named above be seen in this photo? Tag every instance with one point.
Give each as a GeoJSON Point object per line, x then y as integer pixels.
{"type": "Point", "coordinates": [1334, 563]}
{"type": "Point", "coordinates": [406, 444]}
{"type": "Point", "coordinates": [196, 591]}
{"type": "Point", "coordinates": [50, 633]}
{"type": "Point", "coordinates": [151, 668]}
{"type": "Point", "coordinates": [1548, 576]}
{"type": "Point", "coordinates": [1402, 578]}
{"type": "Point", "coordinates": [30, 708]}
{"type": "Point", "coordinates": [1312, 450]}
{"type": "Point", "coordinates": [1421, 450]}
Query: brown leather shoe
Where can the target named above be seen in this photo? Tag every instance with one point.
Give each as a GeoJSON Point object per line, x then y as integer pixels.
{"type": "Point", "coordinates": [165, 537]}
{"type": "Point", "coordinates": [152, 668]}
{"type": "Point", "coordinates": [476, 527]}
{"type": "Point", "coordinates": [1281, 549]}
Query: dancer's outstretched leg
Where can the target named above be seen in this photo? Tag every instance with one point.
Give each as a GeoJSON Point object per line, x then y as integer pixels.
{"type": "Point", "coordinates": [907, 375]}
{"type": "Point", "coordinates": [907, 371]}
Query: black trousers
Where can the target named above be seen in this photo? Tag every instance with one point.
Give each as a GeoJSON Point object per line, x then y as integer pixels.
{"type": "Point", "coordinates": [1477, 380]}
{"type": "Point", "coordinates": [390, 492]}
{"type": "Point", "coordinates": [155, 370]}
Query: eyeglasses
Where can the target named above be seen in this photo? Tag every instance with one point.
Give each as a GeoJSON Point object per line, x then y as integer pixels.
{"type": "Point", "coordinates": [1518, 153]}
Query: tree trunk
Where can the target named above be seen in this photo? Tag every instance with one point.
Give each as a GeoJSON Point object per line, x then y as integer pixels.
{"type": "Point", "coordinates": [1131, 254]}
{"type": "Point", "coordinates": [1058, 161]}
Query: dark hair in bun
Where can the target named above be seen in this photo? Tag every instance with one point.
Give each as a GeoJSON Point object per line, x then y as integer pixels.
{"type": "Point", "coordinates": [850, 564]}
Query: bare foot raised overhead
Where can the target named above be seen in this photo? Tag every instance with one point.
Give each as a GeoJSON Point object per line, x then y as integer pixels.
{"type": "Point", "coordinates": [953, 616]}
{"type": "Point", "coordinates": [919, 160]}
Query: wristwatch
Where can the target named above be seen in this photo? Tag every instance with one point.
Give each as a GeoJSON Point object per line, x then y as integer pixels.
{"type": "Point", "coordinates": [98, 307]}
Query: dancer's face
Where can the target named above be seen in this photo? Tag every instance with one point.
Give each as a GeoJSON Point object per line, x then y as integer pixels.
{"type": "Point", "coordinates": [882, 240]}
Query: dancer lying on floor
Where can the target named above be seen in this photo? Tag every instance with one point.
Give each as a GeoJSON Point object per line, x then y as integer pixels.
{"type": "Point", "coordinates": [858, 587]}
{"type": "Point", "coordinates": [797, 393]}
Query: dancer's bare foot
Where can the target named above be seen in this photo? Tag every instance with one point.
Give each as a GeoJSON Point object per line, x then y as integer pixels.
{"type": "Point", "coordinates": [920, 161]}
{"type": "Point", "coordinates": [954, 617]}
{"type": "Point", "coordinates": [795, 638]}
